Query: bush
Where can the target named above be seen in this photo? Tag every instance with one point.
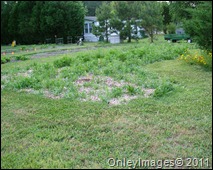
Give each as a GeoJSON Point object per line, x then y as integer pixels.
{"type": "Point", "coordinates": [200, 57]}
{"type": "Point", "coordinates": [131, 90]}
{"type": "Point", "coordinates": [22, 58]}
{"type": "Point", "coordinates": [116, 92]}
{"type": "Point", "coordinates": [163, 89]}
{"type": "Point", "coordinates": [5, 60]}
{"type": "Point", "coordinates": [25, 82]}
{"type": "Point", "coordinates": [65, 61]}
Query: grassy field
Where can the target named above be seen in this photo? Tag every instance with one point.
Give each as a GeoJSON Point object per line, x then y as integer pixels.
{"type": "Point", "coordinates": [91, 109]}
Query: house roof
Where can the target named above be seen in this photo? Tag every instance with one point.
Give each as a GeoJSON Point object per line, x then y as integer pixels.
{"type": "Point", "coordinates": [90, 18]}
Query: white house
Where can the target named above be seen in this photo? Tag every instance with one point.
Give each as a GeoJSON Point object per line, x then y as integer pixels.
{"type": "Point", "coordinates": [88, 21]}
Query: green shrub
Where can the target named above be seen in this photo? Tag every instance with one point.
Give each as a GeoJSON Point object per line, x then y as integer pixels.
{"type": "Point", "coordinates": [65, 61]}
{"type": "Point", "coordinates": [25, 82]}
{"type": "Point", "coordinates": [116, 92]}
{"type": "Point", "coordinates": [5, 60]}
{"type": "Point", "coordinates": [85, 57]}
{"type": "Point", "coordinates": [44, 46]}
{"type": "Point", "coordinates": [99, 54]}
{"type": "Point", "coordinates": [22, 58]}
{"type": "Point", "coordinates": [131, 90]}
{"type": "Point", "coordinates": [163, 89]}
{"type": "Point", "coordinates": [122, 56]}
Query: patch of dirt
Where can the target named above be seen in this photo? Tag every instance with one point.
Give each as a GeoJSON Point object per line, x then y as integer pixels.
{"type": "Point", "coordinates": [52, 96]}
{"type": "Point", "coordinates": [123, 99]}
{"type": "Point", "coordinates": [82, 80]}
{"type": "Point", "coordinates": [46, 93]}
{"type": "Point", "coordinates": [148, 92]}
{"type": "Point", "coordinates": [4, 77]}
{"type": "Point", "coordinates": [104, 84]}
{"type": "Point", "coordinates": [26, 74]}
{"type": "Point", "coordinates": [59, 52]}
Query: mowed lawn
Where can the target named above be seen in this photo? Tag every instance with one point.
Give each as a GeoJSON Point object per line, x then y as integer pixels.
{"type": "Point", "coordinates": [42, 132]}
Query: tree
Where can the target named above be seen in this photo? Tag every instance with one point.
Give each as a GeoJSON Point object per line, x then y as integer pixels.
{"type": "Point", "coordinates": [152, 19]}
{"type": "Point", "coordinates": [6, 8]}
{"type": "Point", "coordinates": [196, 17]}
{"type": "Point", "coordinates": [200, 25]}
{"type": "Point", "coordinates": [23, 27]}
{"type": "Point", "coordinates": [92, 6]}
{"type": "Point", "coordinates": [103, 14]}
{"type": "Point", "coordinates": [171, 28]}
{"type": "Point", "coordinates": [32, 22]}
{"type": "Point", "coordinates": [12, 24]}
{"type": "Point", "coordinates": [178, 9]}
{"type": "Point", "coordinates": [124, 12]}
{"type": "Point", "coordinates": [167, 18]}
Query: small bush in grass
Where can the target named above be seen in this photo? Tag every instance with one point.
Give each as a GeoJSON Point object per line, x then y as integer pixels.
{"type": "Point", "coordinates": [44, 46]}
{"type": "Point", "coordinates": [116, 92]}
{"type": "Point", "coordinates": [123, 56]}
{"type": "Point", "coordinates": [99, 54]}
{"type": "Point", "coordinates": [85, 58]}
{"type": "Point", "coordinates": [25, 82]}
{"type": "Point", "coordinates": [131, 90]}
{"type": "Point", "coordinates": [5, 60]}
{"type": "Point", "coordinates": [199, 57]}
{"type": "Point", "coordinates": [163, 89]}
{"type": "Point", "coordinates": [65, 61]}
{"type": "Point", "coordinates": [22, 58]}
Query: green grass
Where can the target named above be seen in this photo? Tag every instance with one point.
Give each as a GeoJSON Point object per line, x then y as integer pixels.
{"type": "Point", "coordinates": [40, 132]}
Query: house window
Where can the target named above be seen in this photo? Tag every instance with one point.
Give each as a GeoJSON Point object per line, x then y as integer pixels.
{"type": "Point", "coordinates": [90, 27]}
{"type": "Point", "coordinates": [86, 28]}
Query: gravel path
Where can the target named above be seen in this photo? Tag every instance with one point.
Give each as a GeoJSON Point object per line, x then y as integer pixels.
{"type": "Point", "coordinates": [54, 53]}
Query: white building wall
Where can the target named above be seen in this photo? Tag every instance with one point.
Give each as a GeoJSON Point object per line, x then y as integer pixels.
{"type": "Point", "coordinates": [88, 36]}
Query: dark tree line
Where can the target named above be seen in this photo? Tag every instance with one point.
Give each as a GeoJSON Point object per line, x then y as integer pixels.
{"type": "Point", "coordinates": [32, 22]}
{"type": "Point", "coordinates": [91, 7]}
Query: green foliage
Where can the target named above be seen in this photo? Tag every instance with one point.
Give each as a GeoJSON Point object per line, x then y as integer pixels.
{"type": "Point", "coordinates": [22, 57]}
{"type": "Point", "coordinates": [131, 90]}
{"type": "Point", "coordinates": [164, 88]}
{"type": "Point", "coordinates": [65, 61]}
{"type": "Point", "coordinates": [200, 57]}
{"type": "Point", "coordinates": [5, 60]}
{"type": "Point", "coordinates": [201, 16]}
{"type": "Point", "coordinates": [196, 17]}
{"type": "Point", "coordinates": [33, 22]}
{"type": "Point", "coordinates": [178, 9]}
{"type": "Point", "coordinates": [171, 28]}
{"type": "Point", "coordinates": [92, 6]}
{"type": "Point", "coordinates": [152, 18]}
{"type": "Point", "coordinates": [167, 18]}
{"type": "Point", "coordinates": [25, 82]}
{"type": "Point", "coordinates": [116, 92]}
{"type": "Point", "coordinates": [103, 14]}
{"type": "Point", "coordinates": [123, 11]}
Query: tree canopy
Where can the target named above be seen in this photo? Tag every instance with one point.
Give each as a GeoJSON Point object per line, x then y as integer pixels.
{"type": "Point", "coordinates": [196, 17]}
{"type": "Point", "coordinates": [30, 22]}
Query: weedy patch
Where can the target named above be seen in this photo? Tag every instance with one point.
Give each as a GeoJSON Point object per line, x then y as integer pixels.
{"type": "Point", "coordinates": [106, 89]}
{"type": "Point", "coordinates": [28, 73]}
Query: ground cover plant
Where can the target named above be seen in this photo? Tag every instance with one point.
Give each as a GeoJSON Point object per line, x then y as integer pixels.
{"type": "Point", "coordinates": [80, 110]}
